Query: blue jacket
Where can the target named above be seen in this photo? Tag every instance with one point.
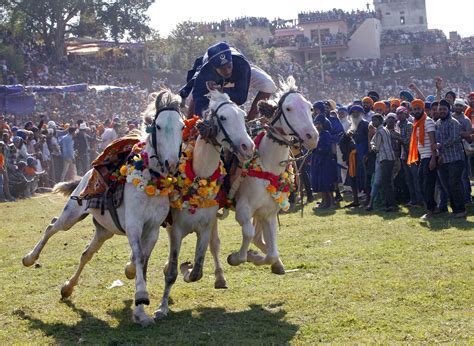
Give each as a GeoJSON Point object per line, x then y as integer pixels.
{"type": "Point", "coordinates": [237, 86]}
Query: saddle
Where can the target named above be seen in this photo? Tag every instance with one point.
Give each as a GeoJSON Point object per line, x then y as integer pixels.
{"type": "Point", "coordinates": [105, 165]}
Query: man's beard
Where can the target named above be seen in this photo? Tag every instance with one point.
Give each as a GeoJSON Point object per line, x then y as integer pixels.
{"type": "Point", "coordinates": [355, 121]}
{"type": "Point", "coordinates": [418, 116]}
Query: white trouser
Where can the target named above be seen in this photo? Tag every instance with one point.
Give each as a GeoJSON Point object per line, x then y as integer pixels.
{"type": "Point", "coordinates": [261, 81]}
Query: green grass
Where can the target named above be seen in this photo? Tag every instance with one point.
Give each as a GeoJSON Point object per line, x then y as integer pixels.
{"type": "Point", "coordinates": [381, 278]}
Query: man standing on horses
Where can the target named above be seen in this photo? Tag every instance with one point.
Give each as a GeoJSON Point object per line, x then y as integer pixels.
{"type": "Point", "coordinates": [226, 68]}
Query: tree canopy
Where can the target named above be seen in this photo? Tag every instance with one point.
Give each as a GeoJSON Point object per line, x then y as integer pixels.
{"type": "Point", "coordinates": [52, 20]}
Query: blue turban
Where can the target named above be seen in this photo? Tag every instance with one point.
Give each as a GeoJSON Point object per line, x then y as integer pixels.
{"type": "Point", "coordinates": [319, 105]}
{"type": "Point", "coordinates": [219, 54]}
{"type": "Point", "coordinates": [356, 108]}
{"type": "Point", "coordinates": [427, 105]}
{"type": "Point", "coordinates": [406, 94]}
{"type": "Point", "coordinates": [343, 109]}
{"type": "Point", "coordinates": [321, 118]}
{"type": "Point", "coordinates": [430, 98]}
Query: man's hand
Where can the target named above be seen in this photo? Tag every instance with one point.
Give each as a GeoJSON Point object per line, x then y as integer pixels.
{"type": "Point", "coordinates": [211, 85]}
{"type": "Point", "coordinates": [432, 165]}
{"type": "Point", "coordinates": [439, 83]}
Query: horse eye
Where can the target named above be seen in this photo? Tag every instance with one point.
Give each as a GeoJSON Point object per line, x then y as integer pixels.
{"type": "Point", "coordinates": [288, 109]}
{"type": "Point", "coordinates": [222, 117]}
{"type": "Point", "coordinates": [182, 127]}
{"type": "Point", "coordinates": [158, 127]}
{"type": "Point", "coordinates": [312, 109]}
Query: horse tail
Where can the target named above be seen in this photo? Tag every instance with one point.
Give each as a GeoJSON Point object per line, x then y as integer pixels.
{"type": "Point", "coordinates": [66, 188]}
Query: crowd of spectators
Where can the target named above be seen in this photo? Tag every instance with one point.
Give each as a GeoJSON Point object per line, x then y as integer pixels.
{"type": "Point", "coordinates": [400, 37]}
{"type": "Point", "coordinates": [352, 18]}
{"type": "Point", "coordinates": [410, 149]}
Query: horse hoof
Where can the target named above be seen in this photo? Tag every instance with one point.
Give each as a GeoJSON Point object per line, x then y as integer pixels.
{"type": "Point", "coordinates": [220, 284]}
{"type": "Point", "coordinates": [66, 290]}
{"type": "Point", "coordinates": [142, 298]}
{"type": "Point", "coordinates": [28, 261]}
{"type": "Point", "coordinates": [278, 269]}
{"type": "Point", "coordinates": [185, 267]}
{"type": "Point", "coordinates": [144, 321]}
{"type": "Point", "coordinates": [130, 271]}
{"type": "Point", "coordinates": [232, 260]}
{"type": "Point", "coordinates": [160, 314]}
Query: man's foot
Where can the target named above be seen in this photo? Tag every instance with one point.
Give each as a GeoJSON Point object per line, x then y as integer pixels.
{"type": "Point", "coordinates": [461, 215]}
{"type": "Point", "coordinates": [440, 211]}
{"type": "Point", "coordinates": [352, 205]}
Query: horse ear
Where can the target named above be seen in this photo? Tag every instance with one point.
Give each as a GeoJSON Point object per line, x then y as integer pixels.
{"type": "Point", "coordinates": [266, 109]}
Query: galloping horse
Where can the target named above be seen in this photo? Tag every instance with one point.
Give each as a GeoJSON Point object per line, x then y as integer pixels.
{"type": "Point", "coordinates": [141, 212]}
{"type": "Point", "coordinates": [290, 119]}
{"type": "Point", "coordinates": [229, 132]}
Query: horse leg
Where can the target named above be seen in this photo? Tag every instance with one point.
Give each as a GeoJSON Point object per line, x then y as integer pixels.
{"type": "Point", "coordinates": [269, 227]}
{"type": "Point", "coordinates": [171, 269]}
{"type": "Point", "coordinates": [100, 236]}
{"type": "Point", "coordinates": [248, 232]}
{"type": "Point", "coordinates": [215, 247]}
{"type": "Point", "coordinates": [277, 267]}
{"type": "Point", "coordinates": [72, 213]}
{"type": "Point", "coordinates": [134, 231]}
{"type": "Point", "coordinates": [194, 273]}
{"type": "Point", "coordinates": [148, 244]}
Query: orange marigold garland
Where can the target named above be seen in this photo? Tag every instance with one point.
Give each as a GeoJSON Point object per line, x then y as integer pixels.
{"type": "Point", "coordinates": [192, 192]}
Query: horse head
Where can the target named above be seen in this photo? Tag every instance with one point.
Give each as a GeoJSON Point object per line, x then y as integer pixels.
{"type": "Point", "coordinates": [229, 121]}
{"type": "Point", "coordinates": [164, 125]}
{"type": "Point", "coordinates": [292, 114]}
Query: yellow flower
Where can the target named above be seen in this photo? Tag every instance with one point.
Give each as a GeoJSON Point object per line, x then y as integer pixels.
{"type": "Point", "coordinates": [203, 182]}
{"type": "Point", "coordinates": [182, 167]}
{"type": "Point", "coordinates": [150, 190]}
{"type": "Point", "coordinates": [124, 170]}
{"type": "Point", "coordinates": [137, 158]}
{"type": "Point", "coordinates": [164, 192]}
{"type": "Point", "coordinates": [216, 189]}
{"type": "Point", "coordinates": [202, 191]}
{"type": "Point", "coordinates": [213, 183]}
{"type": "Point", "coordinates": [187, 181]}
{"type": "Point", "coordinates": [285, 175]}
{"type": "Point", "coordinates": [136, 181]}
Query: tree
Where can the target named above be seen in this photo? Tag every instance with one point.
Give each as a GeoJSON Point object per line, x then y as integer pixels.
{"type": "Point", "coordinates": [186, 42]}
{"type": "Point", "coordinates": [53, 19]}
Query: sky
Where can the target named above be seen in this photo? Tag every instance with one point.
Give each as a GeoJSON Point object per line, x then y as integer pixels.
{"type": "Point", "coordinates": [455, 15]}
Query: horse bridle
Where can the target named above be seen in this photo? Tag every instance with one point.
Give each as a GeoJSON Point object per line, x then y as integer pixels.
{"type": "Point", "coordinates": [280, 113]}
{"type": "Point", "coordinates": [220, 126]}
{"type": "Point", "coordinates": [152, 130]}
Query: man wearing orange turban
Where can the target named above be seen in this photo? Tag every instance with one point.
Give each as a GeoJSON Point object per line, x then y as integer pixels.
{"type": "Point", "coordinates": [380, 107]}
{"type": "Point", "coordinates": [367, 104]}
{"type": "Point", "coordinates": [394, 104]}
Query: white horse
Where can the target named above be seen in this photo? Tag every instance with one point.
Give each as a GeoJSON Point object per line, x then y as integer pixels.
{"type": "Point", "coordinates": [291, 119]}
{"type": "Point", "coordinates": [230, 132]}
{"type": "Point", "coordinates": [140, 215]}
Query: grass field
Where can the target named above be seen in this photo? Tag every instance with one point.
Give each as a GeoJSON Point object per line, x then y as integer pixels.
{"type": "Point", "coordinates": [357, 278]}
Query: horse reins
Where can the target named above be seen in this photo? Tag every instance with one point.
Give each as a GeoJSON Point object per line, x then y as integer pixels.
{"type": "Point", "coordinates": [222, 128]}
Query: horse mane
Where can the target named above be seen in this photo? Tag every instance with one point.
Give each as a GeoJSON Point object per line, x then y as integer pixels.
{"type": "Point", "coordinates": [288, 85]}
{"type": "Point", "coordinates": [216, 97]}
{"type": "Point", "coordinates": [157, 101]}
